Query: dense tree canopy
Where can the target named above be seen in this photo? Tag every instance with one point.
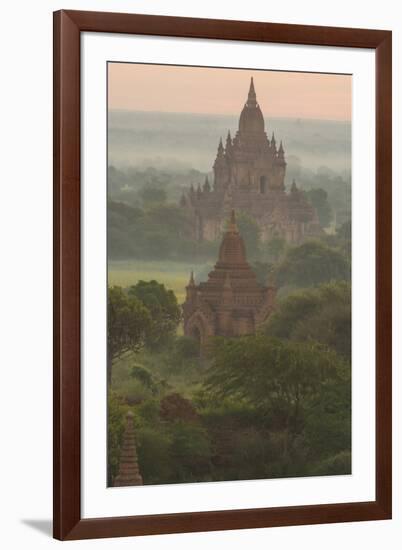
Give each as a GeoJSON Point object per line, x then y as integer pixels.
{"type": "Point", "coordinates": [322, 314]}
{"type": "Point", "coordinates": [319, 199]}
{"type": "Point", "coordinates": [157, 232]}
{"type": "Point", "coordinates": [128, 322]}
{"type": "Point", "coordinates": [312, 263]}
{"type": "Point", "coordinates": [301, 390]}
{"type": "Point", "coordinates": [273, 249]}
{"type": "Point", "coordinates": [163, 309]}
{"type": "Point", "coordinates": [265, 370]}
{"type": "Point", "coordinates": [152, 195]}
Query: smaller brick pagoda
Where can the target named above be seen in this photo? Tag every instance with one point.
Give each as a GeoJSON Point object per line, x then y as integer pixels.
{"type": "Point", "coordinates": [231, 302]}
{"type": "Point", "coordinates": [129, 473]}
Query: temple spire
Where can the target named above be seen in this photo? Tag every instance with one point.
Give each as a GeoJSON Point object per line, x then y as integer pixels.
{"type": "Point", "coordinates": [228, 142]}
{"type": "Point", "coordinates": [191, 283]}
{"type": "Point", "coordinates": [129, 473]}
{"type": "Point", "coordinates": [220, 147]}
{"type": "Point", "coordinates": [281, 155]}
{"type": "Point", "coordinates": [191, 289]}
{"type": "Point", "coordinates": [252, 98]}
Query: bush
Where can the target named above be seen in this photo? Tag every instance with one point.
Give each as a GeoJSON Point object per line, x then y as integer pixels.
{"type": "Point", "coordinates": [186, 347]}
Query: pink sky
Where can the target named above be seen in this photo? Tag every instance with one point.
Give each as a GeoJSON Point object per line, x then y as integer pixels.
{"type": "Point", "coordinates": [224, 91]}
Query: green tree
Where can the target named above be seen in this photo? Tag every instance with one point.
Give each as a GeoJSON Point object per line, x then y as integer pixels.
{"type": "Point", "coordinates": [145, 377]}
{"type": "Point", "coordinates": [152, 195]}
{"type": "Point", "coordinates": [186, 347]}
{"type": "Point", "coordinates": [319, 199]}
{"type": "Point", "coordinates": [311, 264]}
{"type": "Point", "coordinates": [287, 381]}
{"type": "Point", "coordinates": [274, 249]}
{"type": "Point", "coordinates": [163, 308]}
{"type": "Point", "coordinates": [322, 314]}
{"type": "Point", "coordinates": [129, 322]}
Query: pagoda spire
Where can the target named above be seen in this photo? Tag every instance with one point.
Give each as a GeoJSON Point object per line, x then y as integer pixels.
{"type": "Point", "coordinates": [228, 142]}
{"type": "Point", "coordinates": [281, 154]}
{"type": "Point", "coordinates": [191, 289]}
{"type": "Point", "coordinates": [206, 186]}
{"type": "Point", "coordinates": [273, 142]}
{"type": "Point", "coordinates": [129, 473]}
{"type": "Point", "coordinates": [220, 148]}
{"type": "Point", "coordinates": [252, 97]}
{"type": "Point", "coordinates": [191, 282]}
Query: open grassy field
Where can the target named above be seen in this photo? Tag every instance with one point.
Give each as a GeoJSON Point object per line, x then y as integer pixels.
{"type": "Point", "coordinates": [174, 275]}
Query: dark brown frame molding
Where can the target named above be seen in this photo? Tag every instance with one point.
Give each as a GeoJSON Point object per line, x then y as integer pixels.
{"type": "Point", "coordinates": [68, 26]}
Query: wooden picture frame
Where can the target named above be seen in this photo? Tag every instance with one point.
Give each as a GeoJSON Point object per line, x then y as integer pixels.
{"type": "Point", "coordinates": [68, 26]}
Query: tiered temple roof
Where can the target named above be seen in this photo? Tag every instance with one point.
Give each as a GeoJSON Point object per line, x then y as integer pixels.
{"type": "Point", "coordinates": [231, 302]}
{"type": "Point", "coordinates": [249, 176]}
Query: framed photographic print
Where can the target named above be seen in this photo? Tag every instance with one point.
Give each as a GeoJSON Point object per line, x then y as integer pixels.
{"type": "Point", "coordinates": [222, 266]}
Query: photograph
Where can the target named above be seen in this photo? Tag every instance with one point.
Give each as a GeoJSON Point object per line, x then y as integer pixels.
{"type": "Point", "coordinates": [229, 274]}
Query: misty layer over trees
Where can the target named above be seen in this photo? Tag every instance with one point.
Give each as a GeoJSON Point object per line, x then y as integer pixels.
{"type": "Point", "coordinates": [154, 157]}
{"type": "Point", "coordinates": [182, 141]}
{"type": "Point", "coordinates": [276, 403]}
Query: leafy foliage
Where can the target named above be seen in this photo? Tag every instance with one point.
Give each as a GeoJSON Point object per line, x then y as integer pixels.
{"type": "Point", "coordinates": [152, 195]}
{"type": "Point", "coordinates": [128, 322]}
{"type": "Point", "coordinates": [274, 249]}
{"type": "Point", "coordinates": [145, 377]}
{"type": "Point", "coordinates": [153, 231]}
{"type": "Point", "coordinates": [312, 263]}
{"type": "Point", "coordinates": [162, 307]}
{"type": "Point", "coordinates": [322, 314]}
{"type": "Point", "coordinates": [300, 390]}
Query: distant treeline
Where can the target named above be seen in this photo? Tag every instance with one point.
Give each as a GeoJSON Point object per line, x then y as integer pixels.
{"type": "Point", "coordinates": [159, 232]}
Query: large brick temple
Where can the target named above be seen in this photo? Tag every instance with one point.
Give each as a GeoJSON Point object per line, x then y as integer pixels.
{"type": "Point", "coordinates": [249, 176]}
{"type": "Point", "coordinates": [231, 302]}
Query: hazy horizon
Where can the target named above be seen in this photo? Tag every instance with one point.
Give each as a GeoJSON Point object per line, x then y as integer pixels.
{"type": "Point", "coordinates": [223, 91]}
{"type": "Point", "coordinates": [188, 140]}
{"type": "Point", "coordinates": [184, 113]}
